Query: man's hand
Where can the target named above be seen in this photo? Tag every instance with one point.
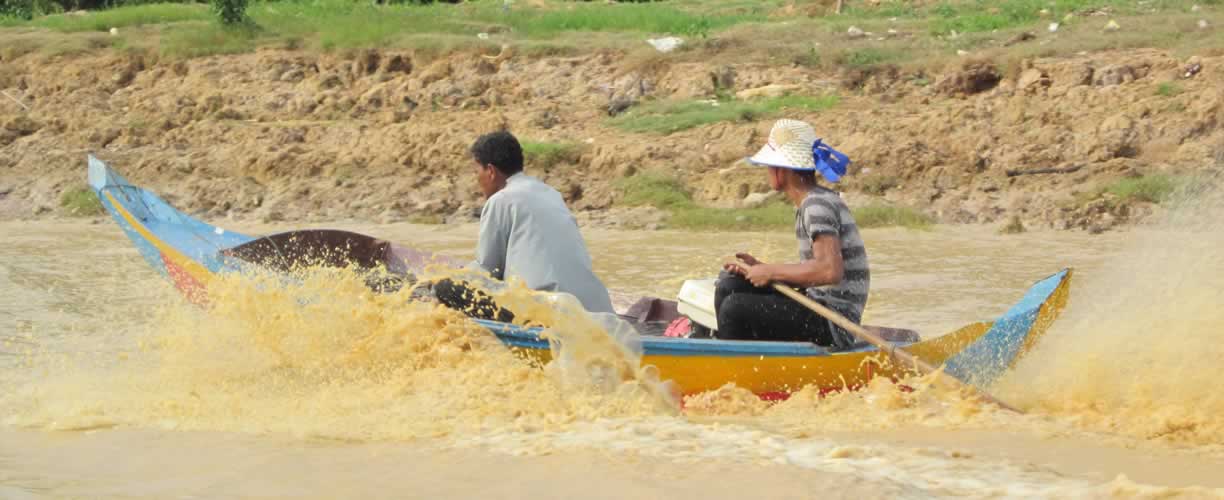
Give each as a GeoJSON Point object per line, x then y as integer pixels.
{"type": "Point", "coordinates": [748, 259]}
{"type": "Point", "coordinates": [756, 272]}
{"type": "Point", "coordinates": [759, 275]}
{"type": "Point", "coordinates": [741, 269]}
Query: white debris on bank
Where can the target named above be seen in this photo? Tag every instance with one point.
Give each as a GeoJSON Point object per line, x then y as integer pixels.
{"type": "Point", "coordinates": [667, 44]}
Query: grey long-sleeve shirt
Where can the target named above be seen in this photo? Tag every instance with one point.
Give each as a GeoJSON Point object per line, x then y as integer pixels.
{"type": "Point", "coordinates": [527, 231]}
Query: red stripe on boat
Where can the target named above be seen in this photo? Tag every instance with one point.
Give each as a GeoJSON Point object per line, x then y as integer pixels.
{"type": "Point", "coordinates": [774, 396]}
{"type": "Point", "coordinates": [185, 282]}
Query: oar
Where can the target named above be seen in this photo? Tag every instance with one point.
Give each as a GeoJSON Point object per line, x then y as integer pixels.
{"type": "Point", "coordinates": [897, 354]}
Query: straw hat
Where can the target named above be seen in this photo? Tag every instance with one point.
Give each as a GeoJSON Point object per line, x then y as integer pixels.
{"type": "Point", "coordinates": [793, 144]}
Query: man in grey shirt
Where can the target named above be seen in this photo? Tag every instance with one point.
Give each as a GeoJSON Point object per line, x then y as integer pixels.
{"type": "Point", "coordinates": [526, 231]}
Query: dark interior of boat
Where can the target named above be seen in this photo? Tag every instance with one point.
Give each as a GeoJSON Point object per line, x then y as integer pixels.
{"type": "Point", "coordinates": [296, 250]}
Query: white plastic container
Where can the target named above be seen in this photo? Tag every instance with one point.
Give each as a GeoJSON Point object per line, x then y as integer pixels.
{"type": "Point", "coordinates": [696, 300]}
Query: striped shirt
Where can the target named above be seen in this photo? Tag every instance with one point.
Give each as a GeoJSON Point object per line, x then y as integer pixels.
{"type": "Point", "coordinates": [824, 212]}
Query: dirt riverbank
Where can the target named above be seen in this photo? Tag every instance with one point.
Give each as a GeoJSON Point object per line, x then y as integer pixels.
{"type": "Point", "coordinates": [382, 136]}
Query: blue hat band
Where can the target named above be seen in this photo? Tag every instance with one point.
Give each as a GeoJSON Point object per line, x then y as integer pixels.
{"type": "Point", "coordinates": [829, 162]}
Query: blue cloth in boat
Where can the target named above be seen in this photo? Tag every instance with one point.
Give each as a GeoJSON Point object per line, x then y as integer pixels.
{"type": "Point", "coordinates": [526, 231]}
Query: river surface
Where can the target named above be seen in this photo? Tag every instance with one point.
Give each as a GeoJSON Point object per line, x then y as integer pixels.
{"type": "Point", "coordinates": [113, 387]}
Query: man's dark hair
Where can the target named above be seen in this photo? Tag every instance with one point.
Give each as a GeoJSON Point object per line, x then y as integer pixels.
{"type": "Point", "coordinates": [501, 150]}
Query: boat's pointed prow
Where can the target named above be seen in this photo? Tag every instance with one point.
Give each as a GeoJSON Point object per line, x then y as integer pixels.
{"type": "Point", "coordinates": [101, 176]}
{"type": "Point", "coordinates": [98, 171]}
{"type": "Point", "coordinates": [1013, 334]}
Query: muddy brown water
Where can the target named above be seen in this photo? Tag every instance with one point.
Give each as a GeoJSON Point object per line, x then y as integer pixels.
{"type": "Point", "coordinates": [88, 409]}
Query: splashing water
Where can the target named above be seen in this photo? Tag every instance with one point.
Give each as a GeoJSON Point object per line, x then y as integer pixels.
{"type": "Point", "coordinates": [1136, 354]}
{"type": "Point", "coordinates": [1130, 361]}
{"type": "Point", "coordinates": [327, 357]}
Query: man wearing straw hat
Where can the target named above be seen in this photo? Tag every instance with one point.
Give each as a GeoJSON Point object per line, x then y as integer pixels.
{"type": "Point", "coordinates": [832, 267]}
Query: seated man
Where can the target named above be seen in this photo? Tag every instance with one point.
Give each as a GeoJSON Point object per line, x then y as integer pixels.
{"type": "Point", "coordinates": [525, 231]}
{"type": "Point", "coordinates": [832, 263]}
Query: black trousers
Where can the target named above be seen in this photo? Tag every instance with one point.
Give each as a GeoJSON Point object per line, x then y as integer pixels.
{"type": "Point", "coordinates": [746, 312]}
{"type": "Point", "coordinates": [461, 296]}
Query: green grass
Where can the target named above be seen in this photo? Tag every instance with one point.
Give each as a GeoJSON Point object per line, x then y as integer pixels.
{"type": "Point", "coordinates": [1168, 89]}
{"type": "Point", "coordinates": [985, 16]}
{"type": "Point", "coordinates": [885, 215]}
{"type": "Point", "coordinates": [868, 57]}
{"type": "Point", "coordinates": [426, 219]}
{"type": "Point", "coordinates": [348, 24]}
{"type": "Point", "coordinates": [1150, 188]}
{"type": "Point", "coordinates": [624, 17]}
{"type": "Point", "coordinates": [670, 195]}
{"type": "Point", "coordinates": [545, 155]}
{"type": "Point", "coordinates": [339, 24]}
{"type": "Point", "coordinates": [666, 117]}
{"type": "Point", "coordinates": [206, 39]}
{"type": "Point", "coordinates": [122, 17]}
{"type": "Point", "coordinates": [773, 215]}
{"type": "Point", "coordinates": [1156, 188]}
{"type": "Point", "coordinates": [903, 9]}
{"type": "Point", "coordinates": [1013, 226]}
{"type": "Point", "coordinates": [878, 184]}
{"type": "Point", "coordinates": [81, 201]}
{"type": "Point", "coordinates": [656, 190]}
{"type": "Point", "coordinates": [727, 29]}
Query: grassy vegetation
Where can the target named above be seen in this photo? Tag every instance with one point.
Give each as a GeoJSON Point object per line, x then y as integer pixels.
{"type": "Point", "coordinates": [972, 18]}
{"type": "Point", "coordinates": [877, 185]}
{"type": "Point", "coordinates": [208, 39]}
{"type": "Point", "coordinates": [1168, 89]}
{"type": "Point", "coordinates": [231, 12]}
{"type": "Point", "coordinates": [670, 195]}
{"type": "Point", "coordinates": [123, 17]}
{"type": "Point", "coordinates": [1150, 188]}
{"type": "Point", "coordinates": [656, 190]}
{"type": "Point", "coordinates": [545, 155]}
{"type": "Point", "coordinates": [346, 24]}
{"type": "Point", "coordinates": [1013, 226]}
{"type": "Point", "coordinates": [639, 18]}
{"type": "Point", "coordinates": [81, 201]}
{"type": "Point", "coordinates": [982, 27]}
{"type": "Point", "coordinates": [747, 30]}
{"type": "Point", "coordinates": [867, 57]}
{"type": "Point", "coordinates": [426, 219]}
{"type": "Point", "coordinates": [1156, 188]}
{"type": "Point", "coordinates": [665, 117]}
{"type": "Point", "coordinates": [773, 215]}
{"type": "Point", "coordinates": [885, 215]}
{"type": "Point", "coordinates": [982, 16]}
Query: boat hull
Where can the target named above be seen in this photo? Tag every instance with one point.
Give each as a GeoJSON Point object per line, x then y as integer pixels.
{"type": "Point", "coordinates": [191, 253]}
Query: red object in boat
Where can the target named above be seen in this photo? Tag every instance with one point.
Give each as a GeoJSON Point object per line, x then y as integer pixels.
{"type": "Point", "coordinates": [680, 327]}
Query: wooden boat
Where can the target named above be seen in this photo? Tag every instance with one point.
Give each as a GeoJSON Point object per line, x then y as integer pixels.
{"type": "Point", "coordinates": [190, 252]}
